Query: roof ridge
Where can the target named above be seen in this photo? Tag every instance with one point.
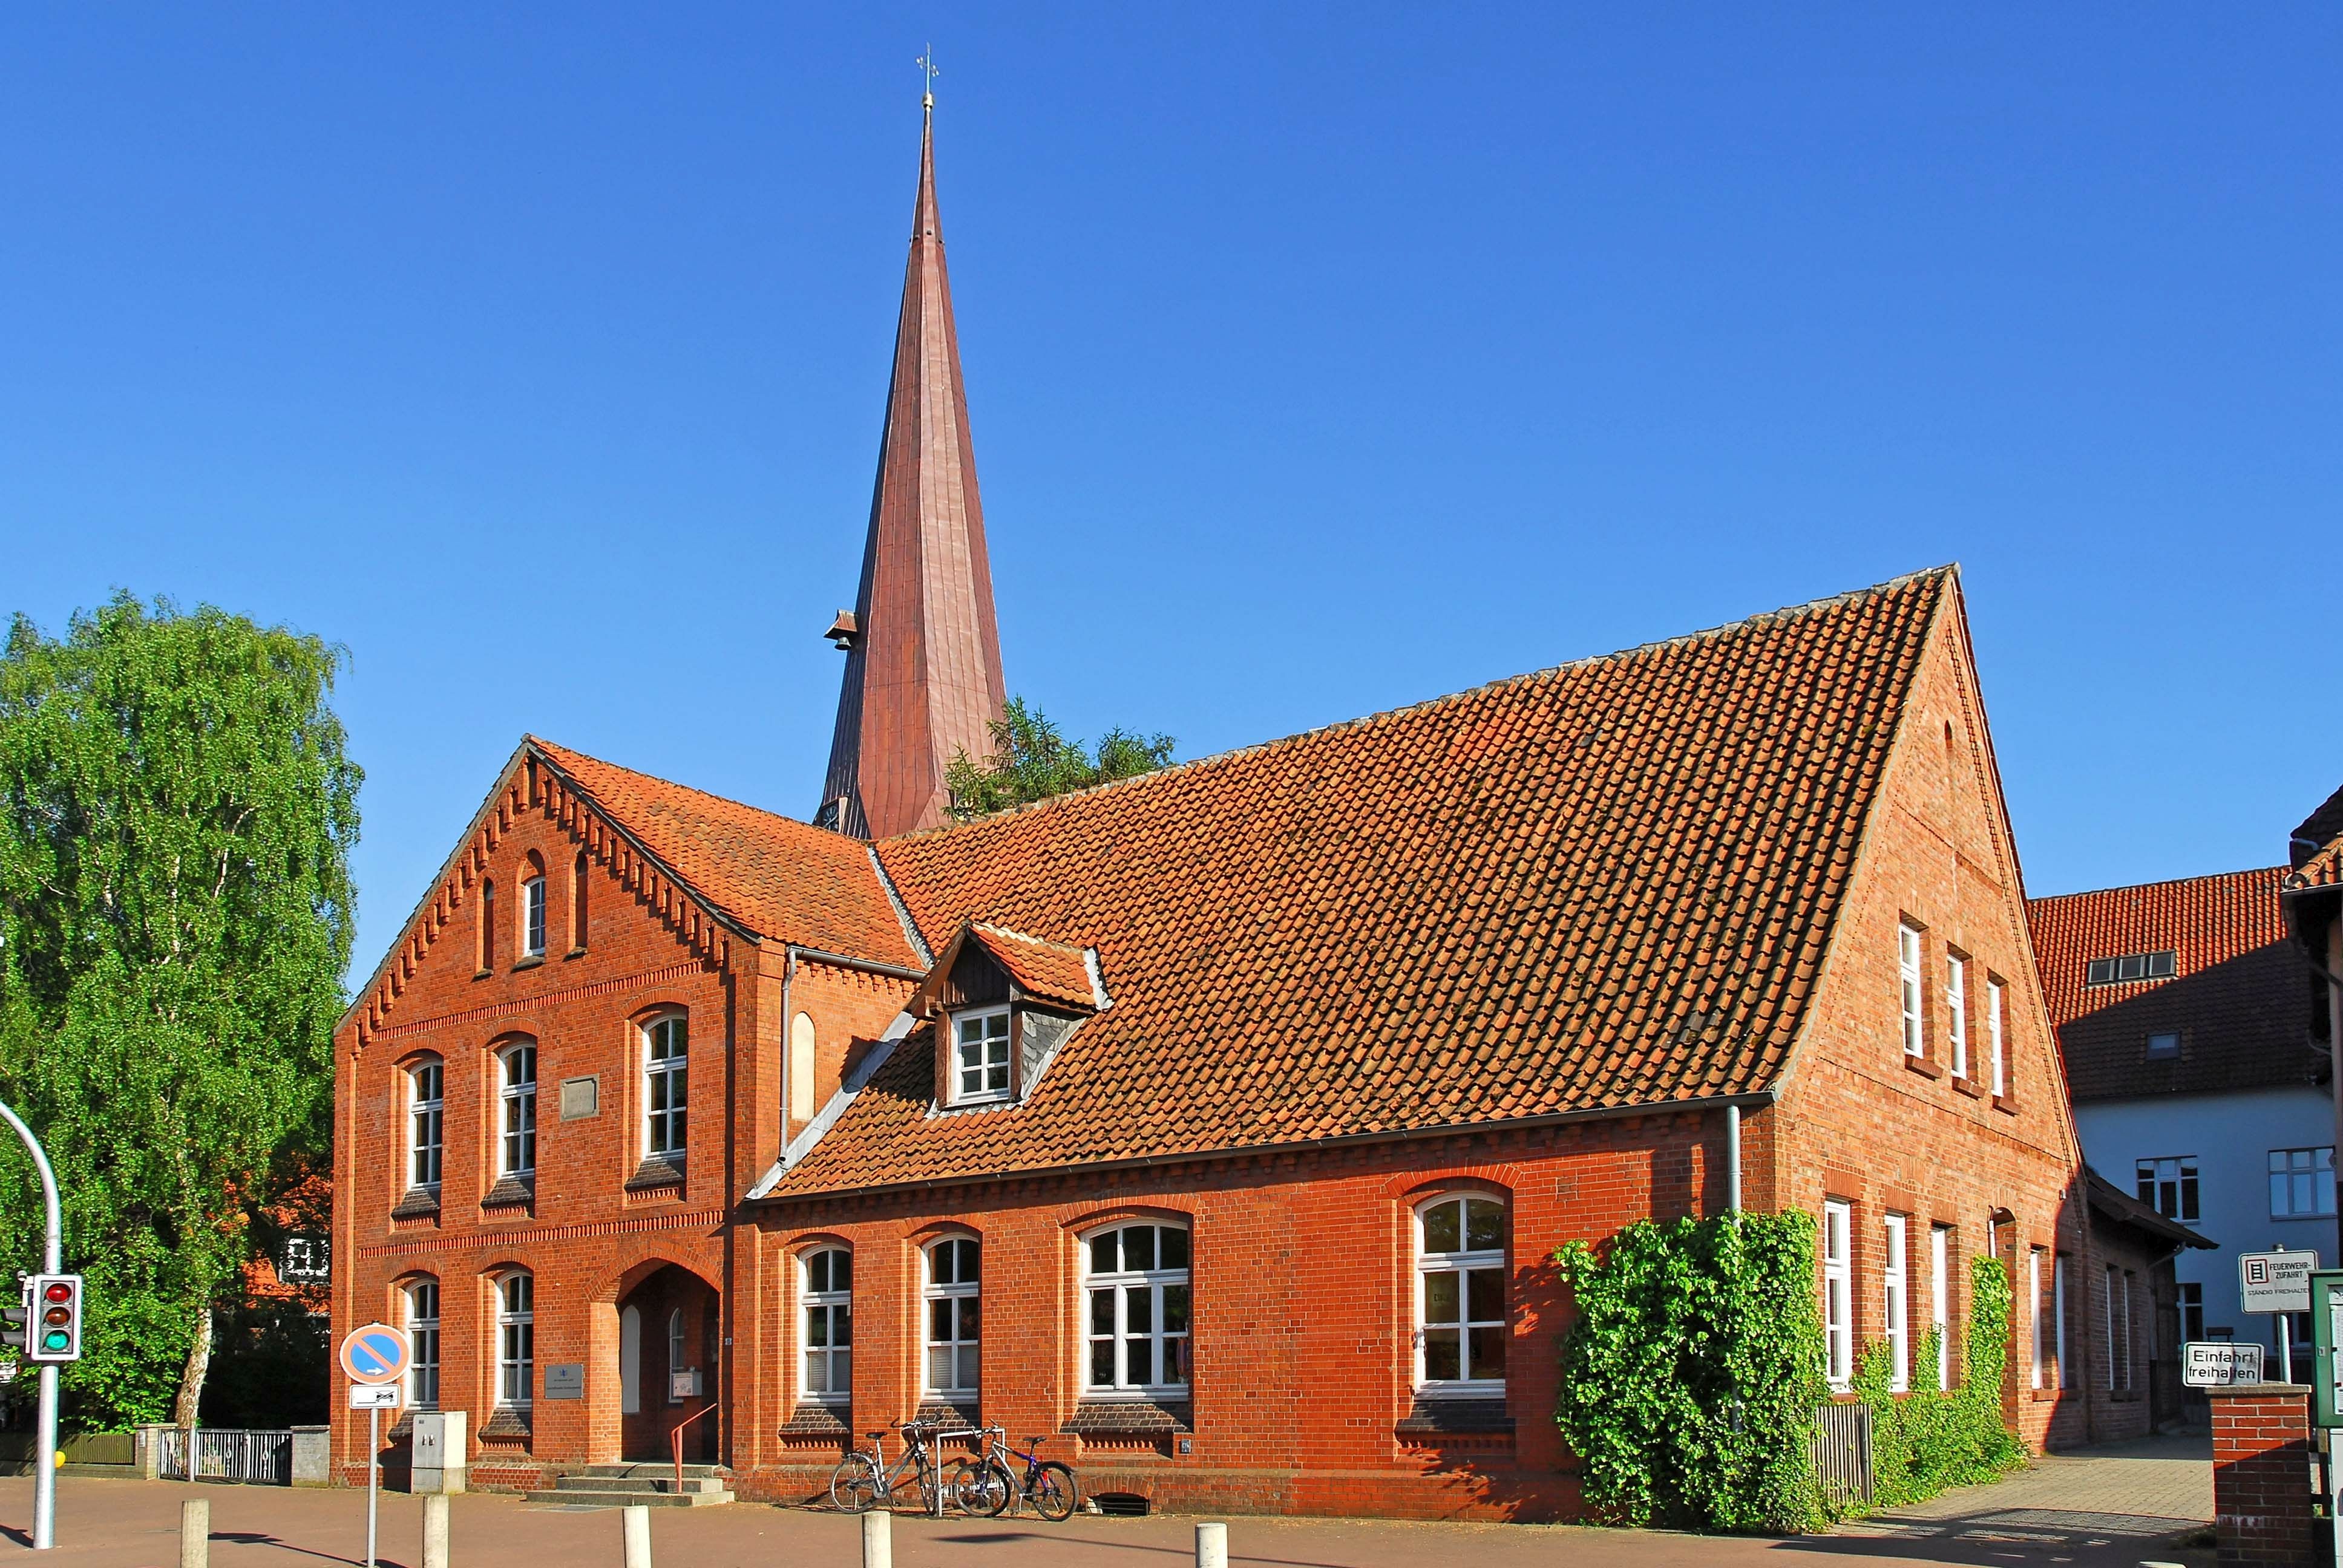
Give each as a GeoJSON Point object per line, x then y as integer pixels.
{"type": "Point", "coordinates": [2159, 882]}
{"type": "Point", "coordinates": [1409, 709]}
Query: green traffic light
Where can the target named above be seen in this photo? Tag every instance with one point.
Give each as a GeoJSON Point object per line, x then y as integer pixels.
{"type": "Point", "coordinates": [57, 1340]}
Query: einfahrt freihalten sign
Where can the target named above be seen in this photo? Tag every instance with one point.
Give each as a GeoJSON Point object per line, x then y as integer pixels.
{"type": "Point", "coordinates": [2214, 1364]}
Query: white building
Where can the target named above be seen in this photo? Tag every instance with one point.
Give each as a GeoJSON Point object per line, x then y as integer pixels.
{"type": "Point", "coordinates": [2185, 1018]}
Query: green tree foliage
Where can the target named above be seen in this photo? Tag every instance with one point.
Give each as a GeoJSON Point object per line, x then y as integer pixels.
{"type": "Point", "coordinates": [1927, 1440]}
{"type": "Point", "coordinates": [1033, 760]}
{"type": "Point", "coordinates": [1691, 1375]}
{"type": "Point", "coordinates": [176, 813]}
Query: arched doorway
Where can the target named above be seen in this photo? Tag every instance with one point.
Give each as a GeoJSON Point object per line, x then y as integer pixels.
{"type": "Point", "coordinates": [669, 1353]}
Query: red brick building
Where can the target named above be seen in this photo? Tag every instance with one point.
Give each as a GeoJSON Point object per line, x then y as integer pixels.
{"type": "Point", "coordinates": [1222, 1122]}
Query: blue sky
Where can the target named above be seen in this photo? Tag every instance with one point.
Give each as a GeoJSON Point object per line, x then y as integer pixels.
{"type": "Point", "coordinates": [1321, 359]}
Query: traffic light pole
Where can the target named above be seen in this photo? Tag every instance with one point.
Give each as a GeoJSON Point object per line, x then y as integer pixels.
{"type": "Point", "coordinates": [44, 1454]}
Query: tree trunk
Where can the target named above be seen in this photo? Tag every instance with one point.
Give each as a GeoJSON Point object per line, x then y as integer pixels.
{"type": "Point", "coordinates": [191, 1387]}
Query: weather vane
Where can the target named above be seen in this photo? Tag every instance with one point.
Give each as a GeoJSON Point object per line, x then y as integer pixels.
{"type": "Point", "coordinates": [926, 63]}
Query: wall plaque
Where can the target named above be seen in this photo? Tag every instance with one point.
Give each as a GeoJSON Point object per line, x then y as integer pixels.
{"type": "Point", "coordinates": [580, 1098]}
{"type": "Point", "coordinates": [565, 1379]}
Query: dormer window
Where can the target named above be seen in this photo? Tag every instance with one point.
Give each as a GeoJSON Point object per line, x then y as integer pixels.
{"type": "Point", "coordinates": [979, 1055]}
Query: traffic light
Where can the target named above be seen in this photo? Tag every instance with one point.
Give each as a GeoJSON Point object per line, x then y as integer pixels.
{"type": "Point", "coordinates": [15, 1321]}
{"type": "Point", "coordinates": [56, 1301]}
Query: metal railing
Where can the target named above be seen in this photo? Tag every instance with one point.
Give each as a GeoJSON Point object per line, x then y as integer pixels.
{"type": "Point", "coordinates": [255, 1454]}
{"type": "Point", "coordinates": [1842, 1452]}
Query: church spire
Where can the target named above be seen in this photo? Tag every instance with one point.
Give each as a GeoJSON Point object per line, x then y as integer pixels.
{"type": "Point", "coordinates": [922, 650]}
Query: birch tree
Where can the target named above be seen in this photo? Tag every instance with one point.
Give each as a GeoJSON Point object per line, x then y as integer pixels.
{"type": "Point", "coordinates": [176, 813]}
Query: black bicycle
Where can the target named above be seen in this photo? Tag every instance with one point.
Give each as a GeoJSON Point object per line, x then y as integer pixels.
{"type": "Point", "coordinates": [986, 1486]}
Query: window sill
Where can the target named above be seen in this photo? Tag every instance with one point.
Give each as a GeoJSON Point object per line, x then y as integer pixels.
{"type": "Point", "coordinates": [510, 1192]}
{"type": "Point", "coordinates": [2045, 1395]}
{"type": "Point", "coordinates": [420, 1204]}
{"type": "Point", "coordinates": [529, 961]}
{"type": "Point", "coordinates": [951, 1411]}
{"type": "Point", "coordinates": [507, 1423]}
{"type": "Point", "coordinates": [1923, 1066]}
{"type": "Point", "coordinates": [1969, 1086]}
{"type": "Point", "coordinates": [657, 1171]}
{"type": "Point", "coordinates": [1483, 1413]}
{"type": "Point", "coordinates": [482, 974]}
{"type": "Point", "coordinates": [970, 1102]}
{"type": "Point", "coordinates": [573, 954]}
{"type": "Point", "coordinates": [1143, 1416]}
{"type": "Point", "coordinates": [2005, 1104]}
{"type": "Point", "coordinates": [811, 1420]}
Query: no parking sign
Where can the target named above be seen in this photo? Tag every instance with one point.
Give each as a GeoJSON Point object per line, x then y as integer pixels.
{"type": "Point", "coordinates": [376, 1353]}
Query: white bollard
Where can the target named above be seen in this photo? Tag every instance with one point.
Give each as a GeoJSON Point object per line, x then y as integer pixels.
{"type": "Point", "coordinates": [1211, 1544]}
{"type": "Point", "coordinates": [879, 1539]}
{"type": "Point", "coordinates": [196, 1532]}
{"type": "Point", "coordinates": [434, 1529]}
{"type": "Point", "coordinates": [638, 1534]}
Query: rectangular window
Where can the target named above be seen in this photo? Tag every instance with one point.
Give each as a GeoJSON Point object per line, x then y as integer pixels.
{"type": "Point", "coordinates": [1891, 1280]}
{"type": "Point", "coordinates": [826, 1296]}
{"type": "Point", "coordinates": [2058, 1314]}
{"type": "Point", "coordinates": [1908, 963]}
{"type": "Point", "coordinates": [2168, 1186]}
{"type": "Point", "coordinates": [2034, 1297]}
{"type": "Point", "coordinates": [2164, 1046]}
{"type": "Point", "coordinates": [665, 1100]}
{"type": "Point", "coordinates": [2124, 1333]}
{"type": "Point", "coordinates": [423, 1344]}
{"type": "Point", "coordinates": [516, 1341]}
{"type": "Point", "coordinates": [1956, 1012]}
{"type": "Point", "coordinates": [2128, 968]}
{"type": "Point", "coordinates": [980, 1045]}
{"type": "Point", "coordinates": [2301, 1182]}
{"type": "Point", "coordinates": [532, 918]}
{"type": "Point", "coordinates": [1135, 1286]}
{"type": "Point", "coordinates": [425, 1109]}
{"type": "Point", "coordinates": [1993, 1027]}
{"type": "Point", "coordinates": [518, 1096]}
{"type": "Point", "coordinates": [2192, 1311]}
{"type": "Point", "coordinates": [2107, 1319]}
{"type": "Point", "coordinates": [1838, 1303]}
{"type": "Point", "coordinates": [954, 1273]}
{"type": "Point", "coordinates": [1462, 1325]}
{"type": "Point", "coordinates": [1940, 1298]}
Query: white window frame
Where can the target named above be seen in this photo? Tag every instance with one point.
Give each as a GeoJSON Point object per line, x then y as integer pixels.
{"type": "Point", "coordinates": [1838, 1292]}
{"type": "Point", "coordinates": [980, 1067]}
{"type": "Point", "coordinates": [2034, 1298]}
{"type": "Point", "coordinates": [517, 1109]}
{"type": "Point", "coordinates": [1993, 1028]}
{"type": "Point", "coordinates": [831, 1305]}
{"type": "Point", "coordinates": [1894, 1271]}
{"type": "Point", "coordinates": [2180, 1173]}
{"type": "Point", "coordinates": [532, 917]}
{"type": "Point", "coordinates": [1956, 1012]}
{"type": "Point", "coordinates": [2319, 1171]}
{"type": "Point", "coordinates": [676, 1337]}
{"type": "Point", "coordinates": [667, 1090]}
{"type": "Point", "coordinates": [427, 1123]}
{"type": "Point", "coordinates": [2130, 1348]}
{"type": "Point", "coordinates": [951, 1314]}
{"type": "Point", "coordinates": [1907, 965]}
{"type": "Point", "coordinates": [515, 1341]}
{"type": "Point", "coordinates": [2058, 1314]}
{"type": "Point", "coordinates": [2107, 1317]}
{"type": "Point", "coordinates": [1463, 1265]}
{"type": "Point", "coordinates": [1162, 1289]}
{"type": "Point", "coordinates": [419, 1305]}
{"type": "Point", "coordinates": [1940, 1300]}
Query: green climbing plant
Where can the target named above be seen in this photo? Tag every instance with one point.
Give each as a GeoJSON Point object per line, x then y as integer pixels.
{"type": "Point", "coordinates": [1693, 1370]}
{"type": "Point", "coordinates": [1930, 1439]}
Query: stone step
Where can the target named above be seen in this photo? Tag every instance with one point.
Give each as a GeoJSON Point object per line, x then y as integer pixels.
{"type": "Point", "coordinates": [654, 1467]}
{"type": "Point", "coordinates": [586, 1498]}
{"type": "Point", "coordinates": [638, 1484]}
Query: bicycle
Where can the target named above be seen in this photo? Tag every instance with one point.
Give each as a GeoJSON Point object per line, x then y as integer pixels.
{"type": "Point", "coordinates": [863, 1479]}
{"type": "Point", "coordinates": [985, 1486]}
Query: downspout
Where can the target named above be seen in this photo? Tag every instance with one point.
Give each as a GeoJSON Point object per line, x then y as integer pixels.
{"type": "Point", "coordinates": [1732, 1159]}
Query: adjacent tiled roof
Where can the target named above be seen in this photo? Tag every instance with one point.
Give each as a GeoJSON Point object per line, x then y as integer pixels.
{"type": "Point", "coordinates": [2239, 995]}
{"type": "Point", "coordinates": [2120, 1206]}
{"type": "Point", "coordinates": [774, 877]}
{"type": "Point", "coordinates": [1604, 885]}
{"type": "Point", "coordinates": [2317, 849]}
{"type": "Point", "coordinates": [1049, 971]}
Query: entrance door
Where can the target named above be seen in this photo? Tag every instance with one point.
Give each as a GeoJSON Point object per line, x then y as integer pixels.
{"type": "Point", "coordinates": [668, 1368]}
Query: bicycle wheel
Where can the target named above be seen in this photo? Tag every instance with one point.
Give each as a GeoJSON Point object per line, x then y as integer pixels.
{"type": "Point", "coordinates": [985, 1487]}
{"type": "Point", "coordinates": [1054, 1492]}
{"type": "Point", "coordinates": [854, 1485]}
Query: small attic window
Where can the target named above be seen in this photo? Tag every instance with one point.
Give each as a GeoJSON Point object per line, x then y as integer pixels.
{"type": "Point", "coordinates": [2130, 967]}
{"type": "Point", "coordinates": [979, 1055]}
{"type": "Point", "coordinates": [2163, 1046]}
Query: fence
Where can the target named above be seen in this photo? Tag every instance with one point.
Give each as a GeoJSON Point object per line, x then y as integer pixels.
{"type": "Point", "coordinates": [231, 1454]}
{"type": "Point", "coordinates": [1842, 1452]}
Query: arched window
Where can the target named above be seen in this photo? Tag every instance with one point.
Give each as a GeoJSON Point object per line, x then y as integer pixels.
{"type": "Point", "coordinates": [1135, 1278]}
{"type": "Point", "coordinates": [532, 910]}
{"type": "Point", "coordinates": [420, 1300]}
{"type": "Point", "coordinates": [1460, 1295]}
{"type": "Point", "coordinates": [826, 1293]}
{"type": "Point", "coordinates": [675, 1354]}
{"type": "Point", "coordinates": [517, 1340]}
{"type": "Point", "coordinates": [578, 904]}
{"type": "Point", "coordinates": [666, 1042]}
{"type": "Point", "coordinates": [516, 1096]}
{"type": "Point", "coordinates": [488, 926]}
{"type": "Point", "coordinates": [953, 1277]}
{"type": "Point", "coordinates": [425, 1109]}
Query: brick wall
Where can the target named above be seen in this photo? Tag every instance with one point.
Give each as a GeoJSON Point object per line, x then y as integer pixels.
{"type": "Point", "coordinates": [2261, 1473]}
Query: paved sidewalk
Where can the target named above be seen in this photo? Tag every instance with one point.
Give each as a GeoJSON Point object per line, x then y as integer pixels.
{"type": "Point", "coordinates": [108, 1523]}
{"type": "Point", "coordinates": [2123, 1494]}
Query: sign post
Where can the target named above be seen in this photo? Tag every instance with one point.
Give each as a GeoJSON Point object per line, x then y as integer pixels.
{"type": "Point", "coordinates": [376, 1357]}
{"type": "Point", "coordinates": [2278, 1281]}
{"type": "Point", "coordinates": [53, 1261]}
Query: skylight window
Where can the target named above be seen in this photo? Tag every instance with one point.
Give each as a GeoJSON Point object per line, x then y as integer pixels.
{"type": "Point", "coordinates": [2128, 968]}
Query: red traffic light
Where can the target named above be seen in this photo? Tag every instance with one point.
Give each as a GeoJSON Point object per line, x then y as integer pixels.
{"type": "Point", "coordinates": [56, 1291]}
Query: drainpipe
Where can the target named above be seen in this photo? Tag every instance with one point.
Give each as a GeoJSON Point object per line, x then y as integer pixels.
{"type": "Point", "coordinates": [1732, 1159]}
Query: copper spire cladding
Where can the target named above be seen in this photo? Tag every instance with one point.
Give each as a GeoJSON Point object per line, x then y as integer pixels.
{"type": "Point", "coordinates": [922, 650]}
